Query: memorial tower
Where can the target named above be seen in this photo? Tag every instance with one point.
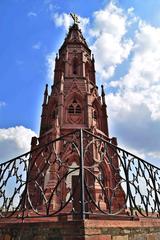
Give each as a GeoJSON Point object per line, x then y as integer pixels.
{"type": "Point", "coordinates": [73, 103]}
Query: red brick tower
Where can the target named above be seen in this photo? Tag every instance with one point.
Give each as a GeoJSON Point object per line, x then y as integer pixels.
{"type": "Point", "coordinates": [73, 103]}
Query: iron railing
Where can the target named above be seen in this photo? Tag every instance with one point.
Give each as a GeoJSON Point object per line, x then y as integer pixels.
{"type": "Point", "coordinates": [79, 175]}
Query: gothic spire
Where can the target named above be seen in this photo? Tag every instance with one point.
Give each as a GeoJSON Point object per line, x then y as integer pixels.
{"type": "Point", "coordinates": [74, 35]}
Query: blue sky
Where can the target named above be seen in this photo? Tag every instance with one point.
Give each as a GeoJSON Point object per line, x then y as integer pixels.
{"type": "Point", "coordinates": [28, 35]}
{"type": "Point", "coordinates": [124, 35]}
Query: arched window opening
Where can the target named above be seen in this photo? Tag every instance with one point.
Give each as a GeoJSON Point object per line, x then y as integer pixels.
{"type": "Point", "coordinates": [74, 108]}
{"type": "Point", "coordinates": [75, 66]}
{"type": "Point", "coordinates": [78, 109]}
{"type": "Point", "coordinates": [87, 69]}
{"type": "Point", "coordinates": [71, 109]}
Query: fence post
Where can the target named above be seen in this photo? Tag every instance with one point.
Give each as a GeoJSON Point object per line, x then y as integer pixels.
{"type": "Point", "coordinates": [82, 213]}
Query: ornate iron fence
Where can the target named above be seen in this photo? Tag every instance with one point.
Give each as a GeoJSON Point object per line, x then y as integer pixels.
{"type": "Point", "coordinates": [79, 175]}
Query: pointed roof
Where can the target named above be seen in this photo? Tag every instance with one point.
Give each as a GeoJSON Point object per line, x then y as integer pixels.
{"type": "Point", "coordinates": [74, 36]}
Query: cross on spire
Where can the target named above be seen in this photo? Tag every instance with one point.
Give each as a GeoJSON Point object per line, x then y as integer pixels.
{"type": "Point", "coordinates": [75, 18]}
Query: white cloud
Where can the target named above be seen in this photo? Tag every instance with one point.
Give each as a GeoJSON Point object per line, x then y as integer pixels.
{"type": "Point", "coordinates": [14, 141]}
{"type": "Point", "coordinates": [32, 14]}
{"type": "Point", "coordinates": [50, 61]}
{"type": "Point", "coordinates": [36, 46]}
{"type": "Point", "coordinates": [108, 31]}
{"type": "Point", "coordinates": [135, 104]}
{"type": "Point", "coordinates": [141, 85]}
{"type": "Point", "coordinates": [110, 46]}
{"type": "Point", "coordinates": [2, 104]}
{"type": "Point", "coordinates": [62, 20]}
{"type": "Point", "coordinates": [66, 21]}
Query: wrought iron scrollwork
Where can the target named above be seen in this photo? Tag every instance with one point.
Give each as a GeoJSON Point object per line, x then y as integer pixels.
{"type": "Point", "coordinates": [79, 175]}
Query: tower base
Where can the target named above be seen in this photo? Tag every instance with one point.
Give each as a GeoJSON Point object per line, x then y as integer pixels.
{"type": "Point", "coordinates": [47, 229]}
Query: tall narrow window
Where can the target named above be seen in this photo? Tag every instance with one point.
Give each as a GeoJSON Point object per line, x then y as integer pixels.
{"type": "Point", "coordinates": [71, 109]}
{"type": "Point", "coordinates": [75, 66]}
{"type": "Point", "coordinates": [78, 109]}
{"type": "Point", "coordinates": [87, 67]}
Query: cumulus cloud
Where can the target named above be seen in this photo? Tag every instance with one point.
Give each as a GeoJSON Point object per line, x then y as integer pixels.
{"type": "Point", "coordinates": [142, 82]}
{"type": "Point", "coordinates": [134, 106]}
{"type": "Point", "coordinates": [14, 141]}
{"type": "Point", "coordinates": [50, 62]}
{"type": "Point", "coordinates": [66, 21]}
{"type": "Point", "coordinates": [132, 99]}
{"type": "Point", "coordinates": [110, 47]}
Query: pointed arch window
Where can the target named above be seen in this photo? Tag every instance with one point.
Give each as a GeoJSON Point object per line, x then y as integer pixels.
{"type": "Point", "coordinates": [74, 108]}
{"type": "Point", "coordinates": [78, 109]}
{"type": "Point", "coordinates": [74, 66]}
{"type": "Point", "coordinates": [87, 69]}
{"type": "Point", "coordinates": [71, 109]}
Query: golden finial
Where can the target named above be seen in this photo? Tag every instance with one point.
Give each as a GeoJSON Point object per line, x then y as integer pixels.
{"type": "Point", "coordinates": [75, 18]}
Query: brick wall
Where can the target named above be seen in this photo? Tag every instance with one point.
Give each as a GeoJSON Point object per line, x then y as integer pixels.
{"type": "Point", "coordinates": [79, 230]}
